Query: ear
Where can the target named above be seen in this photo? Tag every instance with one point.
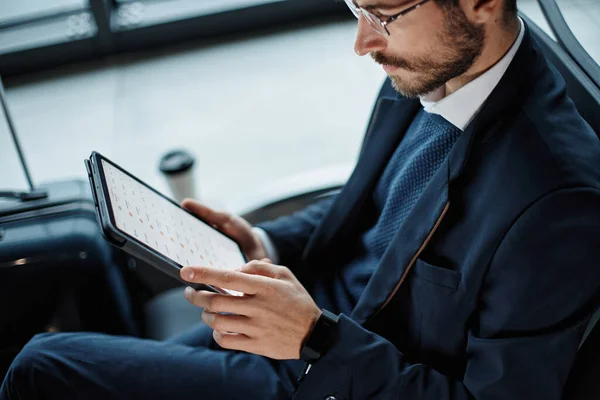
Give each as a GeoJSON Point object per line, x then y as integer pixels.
{"type": "Point", "coordinates": [483, 11]}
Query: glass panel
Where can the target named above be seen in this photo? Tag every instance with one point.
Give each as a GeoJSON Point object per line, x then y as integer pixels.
{"type": "Point", "coordinates": [18, 10]}
{"type": "Point", "coordinates": [136, 13]}
{"type": "Point", "coordinates": [583, 17]}
{"type": "Point", "coordinates": [47, 32]}
{"type": "Point", "coordinates": [29, 24]}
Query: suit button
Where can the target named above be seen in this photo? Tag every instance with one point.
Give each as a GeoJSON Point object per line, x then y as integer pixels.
{"type": "Point", "coordinates": [330, 398]}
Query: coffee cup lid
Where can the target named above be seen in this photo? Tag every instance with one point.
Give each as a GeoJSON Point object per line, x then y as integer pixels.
{"type": "Point", "coordinates": [176, 161]}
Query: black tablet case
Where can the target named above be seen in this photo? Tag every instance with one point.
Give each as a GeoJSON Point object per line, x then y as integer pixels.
{"type": "Point", "coordinates": [132, 247]}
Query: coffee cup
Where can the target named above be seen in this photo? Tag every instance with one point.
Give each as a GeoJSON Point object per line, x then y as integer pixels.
{"type": "Point", "coordinates": [178, 167]}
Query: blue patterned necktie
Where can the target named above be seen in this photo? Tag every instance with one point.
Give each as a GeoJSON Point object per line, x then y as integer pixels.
{"type": "Point", "coordinates": [423, 149]}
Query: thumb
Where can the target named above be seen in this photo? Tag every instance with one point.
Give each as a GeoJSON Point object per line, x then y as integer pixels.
{"type": "Point", "coordinates": [264, 267]}
{"type": "Point", "coordinates": [208, 214]}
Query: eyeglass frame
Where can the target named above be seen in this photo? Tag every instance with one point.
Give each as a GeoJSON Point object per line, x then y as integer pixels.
{"type": "Point", "coordinates": [369, 16]}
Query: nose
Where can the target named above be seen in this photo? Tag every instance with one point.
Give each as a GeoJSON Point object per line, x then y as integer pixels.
{"type": "Point", "coordinates": [367, 39]}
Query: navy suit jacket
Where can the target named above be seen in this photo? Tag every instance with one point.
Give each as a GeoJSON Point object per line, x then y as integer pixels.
{"type": "Point", "coordinates": [488, 285]}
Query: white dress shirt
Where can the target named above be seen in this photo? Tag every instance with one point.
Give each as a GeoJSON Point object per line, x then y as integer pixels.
{"type": "Point", "coordinates": [459, 108]}
{"type": "Point", "coordinates": [268, 244]}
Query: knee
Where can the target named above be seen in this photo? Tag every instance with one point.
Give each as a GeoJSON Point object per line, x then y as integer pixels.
{"type": "Point", "coordinates": [33, 364]}
{"type": "Point", "coordinates": [40, 352]}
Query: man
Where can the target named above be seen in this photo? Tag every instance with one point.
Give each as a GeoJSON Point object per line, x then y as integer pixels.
{"type": "Point", "coordinates": [460, 261]}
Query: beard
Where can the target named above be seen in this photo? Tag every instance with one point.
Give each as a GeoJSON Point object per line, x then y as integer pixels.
{"type": "Point", "coordinates": [461, 43]}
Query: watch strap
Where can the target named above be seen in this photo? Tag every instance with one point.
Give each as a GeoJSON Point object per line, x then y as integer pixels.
{"type": "Point", "coordinates": [320, 338]}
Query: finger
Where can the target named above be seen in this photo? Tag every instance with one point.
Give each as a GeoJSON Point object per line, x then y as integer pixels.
{"type": "Point", "coordinates": [267, 269]}
{"type": "Point", "coordinates": [234, 341]}
{"type": "Point", "coordinates": [221, 303]}
{"type": "Point", "coordinates": [226, 279]}
{"type": "Point", "coordinates": [228, 323]}
{"type": "Point", "coordinates": [208, 214]}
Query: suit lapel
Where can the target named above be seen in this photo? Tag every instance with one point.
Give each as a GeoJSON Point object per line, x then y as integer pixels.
{"type": "Point", "coordinates": [391, 118]}
{"type": "Point", "coordinates": [408, 242]}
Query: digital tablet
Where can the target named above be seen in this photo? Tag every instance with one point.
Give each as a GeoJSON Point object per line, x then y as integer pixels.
{"type": "Point", "coordinates": [150, 226]}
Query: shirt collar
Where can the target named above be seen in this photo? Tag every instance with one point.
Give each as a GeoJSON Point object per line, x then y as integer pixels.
{"type": "Point", "coordinates": [461, 107]}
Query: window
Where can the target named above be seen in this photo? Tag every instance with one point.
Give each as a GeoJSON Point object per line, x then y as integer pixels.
{"type": "Point", "coordinates": [37, 34]}
{"type": "Point", "coordinates": [12, 11]}
{"type": "Point", "coordinates": [27, 24]}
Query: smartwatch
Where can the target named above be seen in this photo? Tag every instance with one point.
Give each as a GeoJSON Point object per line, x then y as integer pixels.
{"type": "Point", "coordinates": [320, 338]}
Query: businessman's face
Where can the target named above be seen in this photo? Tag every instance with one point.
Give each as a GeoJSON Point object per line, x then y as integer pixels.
{"type": "Point", "coordinates": [426, 48]}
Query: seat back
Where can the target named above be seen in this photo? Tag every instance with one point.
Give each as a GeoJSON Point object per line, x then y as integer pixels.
{"type": "Point", "coordinates": [584, 92]}
{"type": "Point", "coordinates": [583, 382]}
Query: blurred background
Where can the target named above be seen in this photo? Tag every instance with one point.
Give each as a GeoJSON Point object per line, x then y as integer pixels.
{"type": "Point", "coordinates": [264, 93]}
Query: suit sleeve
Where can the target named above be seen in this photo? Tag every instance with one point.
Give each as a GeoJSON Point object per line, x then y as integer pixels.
{"type": "Point", "coordinates": [290, 233]}
{"type": "Point", "coordinates": [539, 292]}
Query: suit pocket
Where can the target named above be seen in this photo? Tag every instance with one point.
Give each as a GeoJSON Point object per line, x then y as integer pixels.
{"type": "Point", "coordinates": [437, 296]}
{"type": "Point", "coordinates": [439, 276]}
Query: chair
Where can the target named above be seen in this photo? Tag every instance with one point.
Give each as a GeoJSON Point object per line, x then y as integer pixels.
{"type": "Point", "coordinates": [583, 382]}
{"type": "Point", "coordinates": [584, 92]}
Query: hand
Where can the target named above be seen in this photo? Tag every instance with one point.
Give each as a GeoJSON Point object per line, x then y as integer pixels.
{"type": "Point", "coordinates": [272, 318]}
{"type": "Point", "coordinates": [233, 226]}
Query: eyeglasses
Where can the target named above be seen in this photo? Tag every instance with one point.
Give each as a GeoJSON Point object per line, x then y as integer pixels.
{"type": "Point", "coordinates": [378, 23]}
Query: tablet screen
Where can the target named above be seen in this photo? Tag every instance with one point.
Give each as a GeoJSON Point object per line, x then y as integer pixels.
{"type": "Point", "coordinates": [166, 228]}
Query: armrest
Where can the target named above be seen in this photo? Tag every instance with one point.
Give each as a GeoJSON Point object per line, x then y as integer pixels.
{"type": "Point", "coordinates": [294, 193]}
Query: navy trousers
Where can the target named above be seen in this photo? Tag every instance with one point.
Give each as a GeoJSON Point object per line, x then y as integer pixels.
{"type": "Point", "coordinates": [95, 366]}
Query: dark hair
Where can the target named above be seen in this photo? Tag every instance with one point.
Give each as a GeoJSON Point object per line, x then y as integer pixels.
{"type": "Point", "coordinates": [510, 7]}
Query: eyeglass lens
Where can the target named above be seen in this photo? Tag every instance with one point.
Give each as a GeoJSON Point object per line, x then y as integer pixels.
{"type": "Point", "coordinates": [373, 20]}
